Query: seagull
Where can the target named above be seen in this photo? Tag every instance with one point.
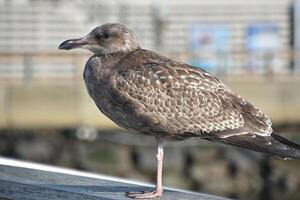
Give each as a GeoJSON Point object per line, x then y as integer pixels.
{"type": "Point", "coordinates": [148, 93]}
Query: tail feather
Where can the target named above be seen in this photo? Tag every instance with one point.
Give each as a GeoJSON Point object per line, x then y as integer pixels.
{"type": "Point", "coordinates": [274, 144]}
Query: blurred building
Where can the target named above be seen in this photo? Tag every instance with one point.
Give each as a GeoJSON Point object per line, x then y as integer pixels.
{"type": "Point", "coordinates": [168, 26]}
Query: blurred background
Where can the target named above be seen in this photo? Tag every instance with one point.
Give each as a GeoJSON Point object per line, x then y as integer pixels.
{"type": "Point", "coordinates": [46, 115]}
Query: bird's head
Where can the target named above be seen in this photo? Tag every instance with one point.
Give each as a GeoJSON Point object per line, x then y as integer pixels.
{"type": "Point", "coordinates": [107, 39]}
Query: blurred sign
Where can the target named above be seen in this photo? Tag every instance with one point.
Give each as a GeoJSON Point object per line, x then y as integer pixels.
{"type": "Point", "coordinates": [210, 44]}
{"type": "Point", "coordinates": [211, 37]}
{"type": "Point", "coordinates": [263, 41]}
{"type": "Point", "coordinates": [263, 37]}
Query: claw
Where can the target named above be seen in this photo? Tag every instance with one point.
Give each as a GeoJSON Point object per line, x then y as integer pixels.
{"type": "Point", "coordinates": [143, 195]}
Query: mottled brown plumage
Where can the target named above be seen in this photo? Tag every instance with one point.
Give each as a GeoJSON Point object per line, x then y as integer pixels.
{"type": "Point", "coordinates": [179, 101]}
{"type": "Point", "coordinates": [145, 92]}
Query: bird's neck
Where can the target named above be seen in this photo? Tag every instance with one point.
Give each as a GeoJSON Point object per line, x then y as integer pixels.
{"type": "Point", "coordinates": [100, 66]}
{"type": "Point", "coordinates": [110, 60]}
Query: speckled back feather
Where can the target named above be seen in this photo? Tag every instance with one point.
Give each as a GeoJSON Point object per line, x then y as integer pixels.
{"type": "Point", "coordinates": [182, 101]}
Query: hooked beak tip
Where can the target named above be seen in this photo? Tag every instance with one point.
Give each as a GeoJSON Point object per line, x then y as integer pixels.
{"type": "Point", "coordinates": [66, 45]}
{"type": "Point", "coordinates": [73, 43]}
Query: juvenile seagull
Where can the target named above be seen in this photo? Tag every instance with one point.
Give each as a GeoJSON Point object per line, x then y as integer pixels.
{"type": "Point", "coordinates": [145, 92]}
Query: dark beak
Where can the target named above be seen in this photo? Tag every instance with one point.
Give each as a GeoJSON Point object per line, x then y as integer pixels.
{"type": "Point", "coordinates": [73, 43]}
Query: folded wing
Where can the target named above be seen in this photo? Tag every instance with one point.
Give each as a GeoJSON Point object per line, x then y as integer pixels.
{"type": "Point", "coordinates": [182, 100]}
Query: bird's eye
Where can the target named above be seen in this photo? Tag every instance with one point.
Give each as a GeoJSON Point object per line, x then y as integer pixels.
{"type": "Point", "coordinates": [105, 35]}
{"type": "Point", "coordinates": [102, 36]}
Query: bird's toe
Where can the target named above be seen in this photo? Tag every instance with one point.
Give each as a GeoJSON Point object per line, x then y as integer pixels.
{"type": "Point", "coordinates": [143, 195]}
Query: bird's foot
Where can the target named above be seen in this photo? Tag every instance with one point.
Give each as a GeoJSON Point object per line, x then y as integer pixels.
{"type": "Point", "coordinates": [144, 195]}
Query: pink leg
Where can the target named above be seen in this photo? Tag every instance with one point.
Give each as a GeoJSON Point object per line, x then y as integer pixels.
{"type": "Point", "coordinates": [159, 188]}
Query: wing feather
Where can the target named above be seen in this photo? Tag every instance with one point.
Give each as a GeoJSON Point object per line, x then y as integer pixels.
{"type": "Point", "coordinates": [184, 101]}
